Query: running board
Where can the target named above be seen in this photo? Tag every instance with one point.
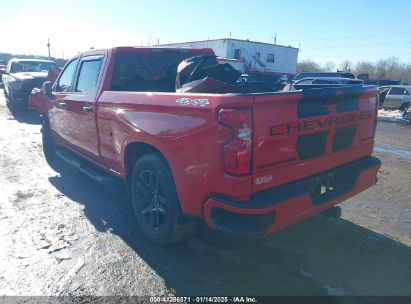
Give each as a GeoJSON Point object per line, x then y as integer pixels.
{"type": "Point", "coordinates": [85, 167]}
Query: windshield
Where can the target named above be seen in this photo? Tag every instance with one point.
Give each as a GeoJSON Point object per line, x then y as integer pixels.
{"type": "Point", "coordinates": [31, 66]}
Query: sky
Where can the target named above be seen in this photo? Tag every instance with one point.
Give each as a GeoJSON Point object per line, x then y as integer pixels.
{"type": "Point", "coordinates": [323, 30]}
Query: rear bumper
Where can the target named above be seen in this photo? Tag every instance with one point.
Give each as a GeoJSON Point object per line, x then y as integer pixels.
{"type": "Point", "coordinates": [274, 209]}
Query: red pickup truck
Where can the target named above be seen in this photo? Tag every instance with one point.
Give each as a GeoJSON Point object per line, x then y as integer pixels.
{"type": "Point", "coordinates": [247, 164]}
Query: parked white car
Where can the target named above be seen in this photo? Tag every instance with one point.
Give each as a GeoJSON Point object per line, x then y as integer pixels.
{"type": "Point", "coordinates": [397, 98]}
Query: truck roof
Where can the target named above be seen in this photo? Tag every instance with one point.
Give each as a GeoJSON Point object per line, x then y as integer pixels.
{"type": "Point", "coordinates": [153, 49]}
{"type": "Point", "coordinates": [323, 74]}
{"type": "Point", "coordinates": [30, 59]}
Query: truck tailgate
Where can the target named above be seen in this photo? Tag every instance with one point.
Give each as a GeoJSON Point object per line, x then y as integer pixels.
{"type": "Point", "coordinates": [298, 134]}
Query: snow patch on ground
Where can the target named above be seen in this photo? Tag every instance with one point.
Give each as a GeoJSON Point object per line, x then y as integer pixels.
{"type": "Point", "coordinates": [388, 115]}
{"type": "Point", "coordinates": [401, 153]}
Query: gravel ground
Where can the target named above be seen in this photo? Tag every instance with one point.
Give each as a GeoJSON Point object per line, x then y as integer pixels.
{"type": "Point", "coordinates": [63, 234]}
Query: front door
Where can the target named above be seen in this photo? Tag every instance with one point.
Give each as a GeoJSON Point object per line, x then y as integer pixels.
{"type": "Point", "coordinates": [61, 90]}
{"type": "Point", "coordinates": [81, 108]}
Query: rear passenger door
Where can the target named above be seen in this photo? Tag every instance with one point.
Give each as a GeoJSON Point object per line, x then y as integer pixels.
{"type": "Point", "coordinates": [81, 108]}
{"type": "Point", "coordinates": [394, 98]}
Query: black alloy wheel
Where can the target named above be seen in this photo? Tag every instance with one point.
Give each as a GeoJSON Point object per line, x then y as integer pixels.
{"type": "Point", "coordinates": [151, 201]}
{"type": "Point", "coordinates": [155, 201]}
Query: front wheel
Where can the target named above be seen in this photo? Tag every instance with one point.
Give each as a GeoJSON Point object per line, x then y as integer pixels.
{"type": "Point", "coordinates": [8, 99]}
{"type": "Point", "coordinates": [49, 146]}
{"type": "Point", "coordinates": [156, 203]}
{"type": "Point", "coordinates": [404, 107]}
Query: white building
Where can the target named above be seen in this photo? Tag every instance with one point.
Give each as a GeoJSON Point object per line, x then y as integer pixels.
{"type": "Point", "coordinates": [256, 57]}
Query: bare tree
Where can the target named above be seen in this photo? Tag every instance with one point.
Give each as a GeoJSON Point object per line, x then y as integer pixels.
{"type": "Point", "coordinates": [346, 66]}
{"type": "Point", "coordinates": [308, 66]}
{"type": "Point", "coordinates": [328, 67]}
{"type": "Point", "coordinates": [405, 73]}
{"type": "Point", "coordinates": [365, 67]}
{"type": "Point", "coordinates": [388, 68]}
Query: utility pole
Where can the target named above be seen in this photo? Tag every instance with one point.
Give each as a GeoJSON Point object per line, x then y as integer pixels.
{"type": "Point", "coordinates": [48, 46]}
{"type": "Point", "coordinates": [274, 38]}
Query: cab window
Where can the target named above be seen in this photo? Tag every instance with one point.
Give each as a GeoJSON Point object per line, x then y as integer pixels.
{"type": "Point", "coordinates": [65, 81]}
{"type": "Point", "coordinates": [88, 75]}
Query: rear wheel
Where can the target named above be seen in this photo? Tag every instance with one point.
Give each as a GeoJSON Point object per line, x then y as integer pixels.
{"type": "Point", "coordinates": [406, 111]}
{"type": "Point", "coordinates": [155, 201]}
{"type": "Point", "coordinates": [404, 107]}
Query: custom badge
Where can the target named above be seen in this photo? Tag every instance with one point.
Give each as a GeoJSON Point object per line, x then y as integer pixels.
{"type": "Point", "coordinates": [193, 102]}
{"type": "Point", "coordinates": [263, 179]}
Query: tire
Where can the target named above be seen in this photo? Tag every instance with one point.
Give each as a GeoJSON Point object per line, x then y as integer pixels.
{"type": "Point", "coordinates": [49, 146]}
{"type": "Point", "coordinates": [407, 110]}
{"type": "Point", "coordinates": [6, 96]}
{"type": "Point", "coordinates": [10, 102]}
{"type": "Point", "coordinates": [404, 107]}
{"type": "Point", "coordinates": [155, 201]}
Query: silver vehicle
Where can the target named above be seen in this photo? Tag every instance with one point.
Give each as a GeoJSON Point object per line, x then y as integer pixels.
{"type": "Point", "coordinates": [407, 113]}
{"type": "Point", "coordinates": [323, 82]}
{"type": "Point", "coordinates": [397, 98]}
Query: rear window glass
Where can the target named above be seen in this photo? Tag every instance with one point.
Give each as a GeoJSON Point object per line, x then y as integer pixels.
{"type": "Point", "coordinates": [325, 81]}
{"type": "Point", "coordinates": [397, 91]}
{"type": "Point", "coordinates": [146, 73]}
{"type": "Point", "coordinates": [305, 81]}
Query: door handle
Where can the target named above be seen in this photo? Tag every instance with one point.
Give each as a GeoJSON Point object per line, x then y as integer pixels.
{"type": "Point", "coordinates": [62, 105]}
{"type": "Point", "coordinates": [88, 109]}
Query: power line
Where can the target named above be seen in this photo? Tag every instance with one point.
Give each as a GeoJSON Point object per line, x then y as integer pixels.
{"type": "Point", "coordinates": [358, 45]}
{"type": "Point", "coordinates": [349, 37]}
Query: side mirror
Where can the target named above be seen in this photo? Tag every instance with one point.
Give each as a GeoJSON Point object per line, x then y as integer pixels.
{"type": "Point", "coordinates": [47, 89]}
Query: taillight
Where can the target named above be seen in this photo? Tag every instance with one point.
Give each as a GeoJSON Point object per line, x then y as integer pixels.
{"type": "Point", "coordinates": [237, 153]}
{"type": "Point", "coordinates": [377, 106]}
